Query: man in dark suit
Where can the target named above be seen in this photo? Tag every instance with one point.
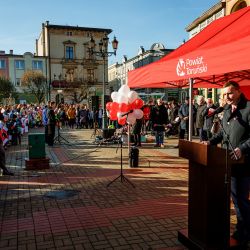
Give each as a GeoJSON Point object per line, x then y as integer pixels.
{"type": "Point", "coordinates": [159, 118]}
{"type": "Point", "coordinates": [236, 123]}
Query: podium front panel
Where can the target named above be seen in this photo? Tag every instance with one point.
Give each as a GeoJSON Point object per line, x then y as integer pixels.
{"type": "Point", "coordinates": [209, 199]}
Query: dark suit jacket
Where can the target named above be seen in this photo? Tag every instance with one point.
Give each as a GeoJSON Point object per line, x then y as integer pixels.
{"type": "Point", "coordinates": [237, 128]}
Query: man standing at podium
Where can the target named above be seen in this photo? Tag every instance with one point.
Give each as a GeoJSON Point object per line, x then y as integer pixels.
{"type": "Point", "coordinates": [236, 123]}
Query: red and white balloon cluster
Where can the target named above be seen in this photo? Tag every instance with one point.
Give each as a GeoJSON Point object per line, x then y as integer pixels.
{"type": "Point", "coordinates": [125, 101]}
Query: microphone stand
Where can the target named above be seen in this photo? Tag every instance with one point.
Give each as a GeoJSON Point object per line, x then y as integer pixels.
{"type": "Point", "coordinates": [59, 138]}
{"type": "Point", "coordinates": [121, 176]}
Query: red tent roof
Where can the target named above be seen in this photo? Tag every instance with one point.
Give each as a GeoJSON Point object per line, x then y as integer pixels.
{"type": "Point", "coordinates": [217, 54]}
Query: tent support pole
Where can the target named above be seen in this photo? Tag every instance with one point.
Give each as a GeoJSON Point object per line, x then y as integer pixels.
{"type": "Point", "coordinates": [190, 121]}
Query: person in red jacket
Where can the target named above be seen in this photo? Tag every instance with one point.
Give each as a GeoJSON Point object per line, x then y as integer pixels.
{"type": "Point", "coordinates": [2, 153]}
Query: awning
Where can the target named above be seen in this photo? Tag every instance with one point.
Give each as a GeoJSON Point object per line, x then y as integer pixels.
{"type": "Point", "coordinates": [217, 54]}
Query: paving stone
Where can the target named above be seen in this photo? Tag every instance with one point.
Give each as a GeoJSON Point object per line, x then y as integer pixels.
{"type": "Point", "coordinates": [118, 217]}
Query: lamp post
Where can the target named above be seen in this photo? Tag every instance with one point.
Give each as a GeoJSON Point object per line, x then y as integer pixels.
{"type": "Point", "coordinates": [59, 91]}
{"type": "Point", "coordinates": [104, 53]}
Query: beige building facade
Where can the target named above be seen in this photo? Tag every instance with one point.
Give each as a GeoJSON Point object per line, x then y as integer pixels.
{"type": "Point", "coordinates": [13, 66]}
{"type": "Point", "coordinates": [118, 72]}
{"type": "Point", "coordinates": [74, 73]}
{"type": "Point", "coordinates": [234, 5]}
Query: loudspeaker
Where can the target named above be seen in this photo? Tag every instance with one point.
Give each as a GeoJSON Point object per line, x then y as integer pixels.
{"type": "Point", "coordinates": [95, 102]}
{"type": "Point", "coordinates": [108, 132]}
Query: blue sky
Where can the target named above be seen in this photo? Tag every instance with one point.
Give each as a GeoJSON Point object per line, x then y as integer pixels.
{"type": "Point", "coordinates": [135, 23]}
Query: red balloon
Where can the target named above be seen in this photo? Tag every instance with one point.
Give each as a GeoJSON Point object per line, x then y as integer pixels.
{"type": "Point", "coordinates": [138, 103]}
{"type": "Point", "coordinates": [108, 105]}
{"type": "Point", "coordinates": [122, 107]}
{"type": "Point", "coordinates": [132, 105]}
{"type": "Point", "coordinates": [128, 108]}
{"type": "Point", "coordinates": [113, 115]}
{"type": "Point", "coordinates": [122, 121]}
{"type": "Point", "coordinates": [114, 106]}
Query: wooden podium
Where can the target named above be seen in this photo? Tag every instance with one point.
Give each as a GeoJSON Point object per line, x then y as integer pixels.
{"type": "Point", "coordinates": [209, 197]}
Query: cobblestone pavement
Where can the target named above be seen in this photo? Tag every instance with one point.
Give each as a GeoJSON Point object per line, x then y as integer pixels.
{"type": "Point", "coordinates": [69, 205]}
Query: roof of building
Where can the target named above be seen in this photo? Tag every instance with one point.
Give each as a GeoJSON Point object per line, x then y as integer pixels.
{"type": "Point", "coordinates": [68, 27]}
{"type": "Point", "coordinates": [215, 8]}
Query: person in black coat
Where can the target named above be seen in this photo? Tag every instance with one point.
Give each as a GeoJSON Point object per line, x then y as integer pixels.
{"type": "Point", "coordinates": [159, 118]}
{"type": "Point", "coordinates": [51, 124]}
{"type": "Point", "coordinates": [236, 123]}
{"type": "Point", "coordinates": [183, 113]}
{"type": "Point", "coordinates": [208, 120]}
{"type": "Point", "coordinates": [200, 117]}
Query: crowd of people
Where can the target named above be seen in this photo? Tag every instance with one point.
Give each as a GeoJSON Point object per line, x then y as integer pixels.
{"type": "Point", "coordinates": [164, 119]}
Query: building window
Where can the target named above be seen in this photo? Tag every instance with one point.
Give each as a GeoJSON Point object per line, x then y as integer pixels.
{"type": "Point", "coordinates": [219, 14]}
{"type": "Point", "coordinates": [203, 25]}
{"type": "Point", "coordinates": [90, 75]}
{"type": "Point", "coordinates": [69, 52]}
{"type": "Point", "coordinates": [2, 64]}
{"type": "Point", "coordinates": [37, 65]}
{"type": "Point", "coordinates": [210, 19]}
{"type": "Point", "coordinates": [19, 64]}
{"type": "Point", "coordinates": [69, 33]}
{"type": "Point", "coordinates": [18, 82]}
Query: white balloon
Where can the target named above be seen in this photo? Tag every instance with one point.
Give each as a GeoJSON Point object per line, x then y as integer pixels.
{"type": "Point", "coordinates": [138, 113]}
{"type": "Point", "coordinates": [114, 96]}
{"type": "Point", "coordinates": [122, 99]}
{"type": "Point", "coordinates": [131, 118]}
{"type": "Point", "coordinates": [132, 96]}
{"type": "Point", "coordinates": [124, 90]}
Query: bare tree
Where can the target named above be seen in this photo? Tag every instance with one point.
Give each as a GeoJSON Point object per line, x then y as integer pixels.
{"type": "Point", "coordinates": [7, 89]}
{"type": "Point", "coordinates": [35, 84]}
{"type": "Point", "coordinates": [80, 95]}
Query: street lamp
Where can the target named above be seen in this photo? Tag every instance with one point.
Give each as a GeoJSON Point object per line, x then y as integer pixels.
{"type": "Point", "coordinates": [59, 91]}
{"type": "Point", "coordinates": [104, 53]}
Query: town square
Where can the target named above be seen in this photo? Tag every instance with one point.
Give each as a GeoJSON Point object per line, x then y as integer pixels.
{"type": "Point", "coordinates": [125, 125]}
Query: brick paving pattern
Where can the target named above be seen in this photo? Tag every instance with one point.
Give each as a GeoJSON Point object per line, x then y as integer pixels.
{"type": "Point", "coordinates": [97, 217]}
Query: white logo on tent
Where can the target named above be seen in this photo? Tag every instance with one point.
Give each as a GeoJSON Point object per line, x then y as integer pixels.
{"type": "Point", "coordinates": [191, 66]}
{"type": "Point", "coordinates": [180, 68]}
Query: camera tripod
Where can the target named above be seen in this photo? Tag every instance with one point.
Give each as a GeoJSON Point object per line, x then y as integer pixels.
{"type": "Point", "coordinates": [121, 176]}
{"type": "Point", "coordinates": [60, 139]}
{"type": "Point", "coordinates": [97, 131]}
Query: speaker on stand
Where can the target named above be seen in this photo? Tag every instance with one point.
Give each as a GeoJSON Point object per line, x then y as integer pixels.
{"type": "Point", "coordinates": [95, 102]}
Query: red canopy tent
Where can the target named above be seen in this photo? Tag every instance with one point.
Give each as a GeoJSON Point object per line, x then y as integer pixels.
{"type": "Point", "coordinates": [217, 54]}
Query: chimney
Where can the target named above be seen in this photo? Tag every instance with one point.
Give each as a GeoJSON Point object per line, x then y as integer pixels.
{"type": "Point", "coordinates": [2, 52]}
{"type": "Point", "coordinates": [11, 51]}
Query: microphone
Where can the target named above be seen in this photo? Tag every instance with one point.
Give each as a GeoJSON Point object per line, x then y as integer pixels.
{"type": "Point", "coordinates": [127, 113]}
{"type": "Point", "coordinates": [216, 111]}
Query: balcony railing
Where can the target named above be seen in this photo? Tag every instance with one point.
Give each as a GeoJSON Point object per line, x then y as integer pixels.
{"type": "Point", "coordinates": [56, 84]}
{"type": "Point", "coordinates": [63, 84]}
